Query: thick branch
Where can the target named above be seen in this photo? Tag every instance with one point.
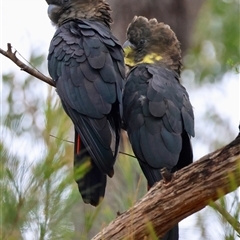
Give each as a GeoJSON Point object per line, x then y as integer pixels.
{"type": "Point", "coordinates": [190, 190]}
{"type": "Point", "coordinates": [12, 56]}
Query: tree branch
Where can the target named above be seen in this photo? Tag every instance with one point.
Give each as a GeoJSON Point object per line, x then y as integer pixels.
{"type": "Point", "coordinates": [191, 189]}
{"type": "Point", "coordinates": [12, 56]}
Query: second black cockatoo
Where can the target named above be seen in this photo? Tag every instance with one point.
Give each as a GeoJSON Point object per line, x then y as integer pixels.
{"type": "Point", "coordinates": [157, 113]}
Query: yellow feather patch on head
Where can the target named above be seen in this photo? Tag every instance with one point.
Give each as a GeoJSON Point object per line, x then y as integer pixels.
{"type": "Point", "coordinates": [129, 62]}
{"type": "Point", "coordinates": [127, 51]}
{"type": "Point", "coordinates": [149, 58]}
{"type": "Point", "coordinates": [127, 59]}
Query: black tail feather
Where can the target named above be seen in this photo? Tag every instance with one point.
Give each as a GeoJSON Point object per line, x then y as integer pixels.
{"type": "Point", "coordinates": [172, 234]}
{"type": "Point", "coordinates": [92, 185]}
{"type": "Point", "coordinates": [92, 182]}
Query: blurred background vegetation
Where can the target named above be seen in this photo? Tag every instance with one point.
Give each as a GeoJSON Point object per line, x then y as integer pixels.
{"type": "Point", "coordinates": [40, 198]}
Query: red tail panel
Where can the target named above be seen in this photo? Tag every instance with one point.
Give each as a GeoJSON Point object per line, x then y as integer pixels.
{"type": "Point", "coordinates": [77, 143]}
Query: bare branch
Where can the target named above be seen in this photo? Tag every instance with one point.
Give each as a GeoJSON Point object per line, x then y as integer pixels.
{"type": "Point", "coordinates": [12, 56]}
{"type": "Point", "coordinates": [190, 189]}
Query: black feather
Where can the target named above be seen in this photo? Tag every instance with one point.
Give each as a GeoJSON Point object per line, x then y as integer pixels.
{"type": "Point", "coordinates": [158, 118]}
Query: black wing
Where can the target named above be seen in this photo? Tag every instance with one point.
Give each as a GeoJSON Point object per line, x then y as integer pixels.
{"type": "Point", "coordinates": [159, 119]}
{"type": "Point", "coordinates": [86, 62]}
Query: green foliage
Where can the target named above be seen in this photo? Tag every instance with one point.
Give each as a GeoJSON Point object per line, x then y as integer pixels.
{"type": "Point", "coordinates": [225, 213]}
{"type": "Point", "coordinates": [37, 191]}
{"type": "Point", "coordinates": [37, 188]}
{"type": "Point", "coordinates": [211, 68]}
{"type": "Point", "coordinates": [151, 232]}
{"type": "Point", "coordinates": [227, 210]}
{"type": "Point", "coordinates": [214, 53]}
{"type": "Point", "coordinates": [215, 41]}
{"type": "Point", "coordinates": [234, 66]}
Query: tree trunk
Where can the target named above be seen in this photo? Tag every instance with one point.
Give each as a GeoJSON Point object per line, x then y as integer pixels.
{"type": "Point", "coordinates": [190, 190]}
{"type": "Point", "coordinates": [180, 15]}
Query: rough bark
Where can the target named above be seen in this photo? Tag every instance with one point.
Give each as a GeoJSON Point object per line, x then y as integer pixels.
{"type": "Point", "coordinates": [190, 190]}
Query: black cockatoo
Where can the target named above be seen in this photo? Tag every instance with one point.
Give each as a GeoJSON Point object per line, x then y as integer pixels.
{"type": "Point", "coordinates": [86, 62]}
{"type": "Point", "coordinates": [157, 113]}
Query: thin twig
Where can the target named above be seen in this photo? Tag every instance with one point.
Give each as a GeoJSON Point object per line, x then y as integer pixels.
{"type": "Point", "coordinates": [127, 154]}
{"type": "Point", "coordinates": [64, 140]}
{"type": "Point", "coordinates": [12, 56]}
